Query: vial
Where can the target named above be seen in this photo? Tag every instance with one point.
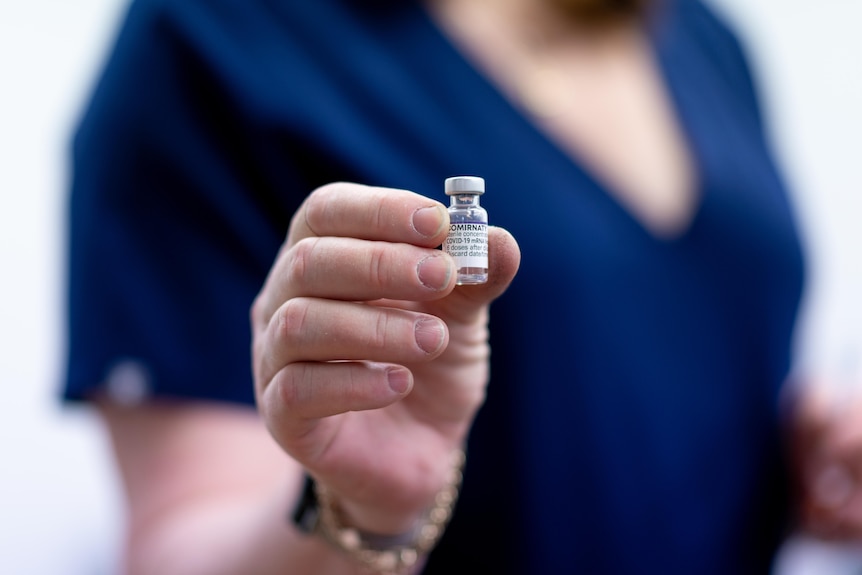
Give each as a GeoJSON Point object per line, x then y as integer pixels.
{"type": "Point", "coordinates": [467, 241]}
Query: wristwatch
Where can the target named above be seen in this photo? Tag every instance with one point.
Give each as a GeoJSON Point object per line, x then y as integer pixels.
{"type": "Point", "coordinates": [306, 515]}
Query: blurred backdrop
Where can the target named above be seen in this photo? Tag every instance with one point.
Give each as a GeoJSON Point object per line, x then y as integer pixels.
{"type": "Point", "coordinates": [60, 506]}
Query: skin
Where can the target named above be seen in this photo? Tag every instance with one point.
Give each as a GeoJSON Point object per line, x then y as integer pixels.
{"type": "Point", "coordinates": [825, 438]}
{"type": "Point", "coordinates": [369, 366]}
{"type": "Point", "coordinates": [621, 125]}
{"type": "Point", "coordinates": [359, 279]}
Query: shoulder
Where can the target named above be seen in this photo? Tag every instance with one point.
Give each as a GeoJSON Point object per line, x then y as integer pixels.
{"type": "Point", "coordinates": [252, 48]}
{"type": "Point", "coordinates": [252, 20]}
{"type": "Point", "coordinates": [714, 32]}
{"type": "Point", "coordinates": [713, 35]}
{"type": "Point", "coordinates": [225, 29]}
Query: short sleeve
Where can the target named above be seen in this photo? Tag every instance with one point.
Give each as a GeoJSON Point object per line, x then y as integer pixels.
{"type": "Point", "coordinates": [178, 207]}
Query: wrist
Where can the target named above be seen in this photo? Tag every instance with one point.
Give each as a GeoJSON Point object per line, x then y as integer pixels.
{"type": "Point", "coordinates": [375, 519]}
{"type": "Point", "coordinates": [385, 552]}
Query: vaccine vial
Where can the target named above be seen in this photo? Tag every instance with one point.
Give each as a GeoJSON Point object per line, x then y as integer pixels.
{"type": "Point", "coordinates": [467, 241]}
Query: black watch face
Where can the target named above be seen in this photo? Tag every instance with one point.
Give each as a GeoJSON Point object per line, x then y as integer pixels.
{"type": "Point", "coordinates": [306, 514]}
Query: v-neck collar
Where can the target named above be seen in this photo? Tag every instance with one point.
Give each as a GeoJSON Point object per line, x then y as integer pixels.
{"type": "Point", "coordinates": [663, 39]}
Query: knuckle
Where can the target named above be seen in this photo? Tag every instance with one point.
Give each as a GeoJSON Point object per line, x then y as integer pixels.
{"type": "Point", "coordinates": [320, 203]}
{"type": "Point", "coordinates": [378, 266]}
{"type": "Point", "coordinates": [288, 382]}
{"type": "Point", "coordinates": [379, 334]}
{"type": "Point", "coordinates": [298, 265]}
{"type": "Point", "coordinates": [290, 321]}
{"type": "Point", "coordinates": [380, 216]}
{"type": "Point", "coordinates": [356, 388]}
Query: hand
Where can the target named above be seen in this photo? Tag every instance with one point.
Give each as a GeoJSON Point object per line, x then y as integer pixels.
{"type": "Point", "coordinates": [827, 441]}
{"type": "Point", "coordinates": [369, 362]}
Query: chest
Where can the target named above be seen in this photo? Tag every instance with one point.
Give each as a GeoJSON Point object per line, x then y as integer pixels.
{"type": "Point", "coordinates": [410, 108]}
{"type": "Point", "coordinates": [598, 95]}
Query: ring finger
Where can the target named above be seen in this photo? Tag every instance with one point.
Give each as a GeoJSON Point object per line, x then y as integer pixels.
{"type": "Point", "coordinates": [312, 329]}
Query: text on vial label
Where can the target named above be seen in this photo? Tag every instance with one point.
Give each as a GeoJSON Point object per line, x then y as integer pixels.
{"type": "Point", "coordinates": [468, 245]}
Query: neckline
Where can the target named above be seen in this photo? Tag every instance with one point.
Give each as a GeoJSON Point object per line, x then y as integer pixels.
{"type": "Point", "coordinates": [661, 38]}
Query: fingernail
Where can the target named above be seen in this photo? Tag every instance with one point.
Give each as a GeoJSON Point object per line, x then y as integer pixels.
{"type": "Point", "coordinates": [428, 222]}
{"type": "Point", "coordinates": [429, 334]}
{"type": "Point", "coordinates": [399, 380]}
{"type": "Point", "coordinates": [434, 272]}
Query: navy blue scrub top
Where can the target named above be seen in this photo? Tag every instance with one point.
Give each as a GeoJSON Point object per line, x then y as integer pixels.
{"type": "Point", "coordinates": [631, 425]}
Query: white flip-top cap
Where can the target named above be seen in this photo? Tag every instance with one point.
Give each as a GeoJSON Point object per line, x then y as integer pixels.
{"type": "Point", "coordinates": [464, 185]}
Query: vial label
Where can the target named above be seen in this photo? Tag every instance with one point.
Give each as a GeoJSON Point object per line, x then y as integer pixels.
{"type": "Point", "coordinates": [467, 243]}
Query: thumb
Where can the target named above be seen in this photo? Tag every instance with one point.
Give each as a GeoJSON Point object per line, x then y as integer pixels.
{"type": "Point", "coordinates": [504, 259]}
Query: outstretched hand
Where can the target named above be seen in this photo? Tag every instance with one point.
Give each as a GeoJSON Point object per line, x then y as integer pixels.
{"type": "Point", "coordinates": [369, 362]}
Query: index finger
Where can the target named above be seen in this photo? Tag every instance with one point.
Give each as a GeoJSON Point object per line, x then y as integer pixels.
{"type": "Point", "coordinates": [370, 213]}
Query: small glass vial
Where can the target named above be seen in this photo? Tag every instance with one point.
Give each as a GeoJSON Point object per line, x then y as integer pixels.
{"type": "Point", "coordinates": [467, 241]}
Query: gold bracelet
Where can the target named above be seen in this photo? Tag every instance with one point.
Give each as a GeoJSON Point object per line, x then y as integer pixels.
{"type": "Point", "coordinates": [390, 555]}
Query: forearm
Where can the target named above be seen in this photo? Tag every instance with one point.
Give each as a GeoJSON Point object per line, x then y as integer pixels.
{"type": "Point", "coordinates": [209, 492]}
{"type": "Point", "coordinates": [228, 537]}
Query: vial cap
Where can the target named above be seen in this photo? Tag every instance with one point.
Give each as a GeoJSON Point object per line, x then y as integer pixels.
{"type": "Point", "coordinates": [464, 185]}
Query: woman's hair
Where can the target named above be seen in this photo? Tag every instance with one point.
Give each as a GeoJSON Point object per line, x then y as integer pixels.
{"type": "Point", "coordinates": [599, 12]}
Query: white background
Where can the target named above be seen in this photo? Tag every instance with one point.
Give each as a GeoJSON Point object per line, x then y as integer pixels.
{"type": "Point", "coordinates": [60, 507]}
